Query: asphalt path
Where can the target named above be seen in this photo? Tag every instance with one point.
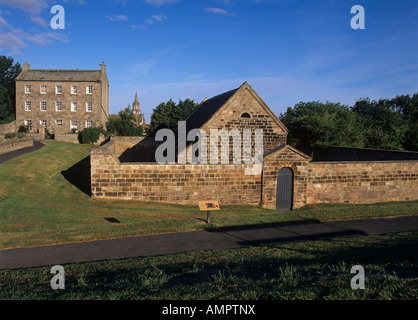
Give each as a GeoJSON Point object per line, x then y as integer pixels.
{"type": "Point", "coordinates": [211, 239]}
{"type": "Point", "coordinates": [13, 154]}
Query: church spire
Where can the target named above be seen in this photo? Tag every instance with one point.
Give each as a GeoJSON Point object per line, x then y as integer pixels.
{"type": "Point", "coordinates": [136, 98]}
{"type": "Point", "coordinates": [135, 105]}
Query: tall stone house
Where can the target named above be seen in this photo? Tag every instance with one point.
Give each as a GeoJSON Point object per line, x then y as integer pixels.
{"type": "Point", "coordinates": [62, 100]}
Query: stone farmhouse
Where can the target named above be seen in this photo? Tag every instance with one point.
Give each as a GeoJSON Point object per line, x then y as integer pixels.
{"type": "Point", "coordinates": [62, 100]}
{"type": "Point", "coordinates": [126, 168]}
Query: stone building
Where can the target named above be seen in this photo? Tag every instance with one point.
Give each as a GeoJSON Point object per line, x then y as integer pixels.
{"type": "Point", "coordinates": [62, 100]}
{"type": "Point", "coordinates": [125, 167]}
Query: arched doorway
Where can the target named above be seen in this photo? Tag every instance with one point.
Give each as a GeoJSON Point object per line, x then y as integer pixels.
{"type": "Point", "coordinates": [284, 192]}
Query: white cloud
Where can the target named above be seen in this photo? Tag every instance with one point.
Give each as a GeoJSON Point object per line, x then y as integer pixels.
{"type": "Point", "coordinates": [42, 22]}
{"type": "Point", "coordinates": [12, 42]}
{"type": "Point", "coordinates": [139, 27]}
{"type": "Point", "coordinates": [15, 39]}
{"type": "Point", "coordinates": [156, 18]}
{"type": "Point", "coordinates": [32, 6]}
{"type": "Point", "coordinates": [216, 10]}
{"type": "Point", "coordinates": [3, 22]}
{"type": "Point", "coordinates": [117, 17]}
{"type": "Point", "coordinates": [45, 38]}
{"type": "Point", "coordinates": [159, 3]}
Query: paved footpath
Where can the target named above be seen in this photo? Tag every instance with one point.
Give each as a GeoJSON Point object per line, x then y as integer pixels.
{"type": "Point", "coordinates": [13, 154]}
{"type": "Point", "coordinates": [217, 238]}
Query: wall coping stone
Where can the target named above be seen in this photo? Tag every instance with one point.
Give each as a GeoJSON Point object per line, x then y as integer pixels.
{"type": "Point", "coordinates": [371, 161]}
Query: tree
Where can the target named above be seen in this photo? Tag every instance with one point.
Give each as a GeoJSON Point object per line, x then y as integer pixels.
{"type": "Point", "coordinates": [161, 116]}
{"type": "Point", "coordinates": [167, 114]}
{"type": "Point", "coordinates": [408, 107]}
{"type": "Point", "coordinates": [317, 124]}
{"type": "Point", "coordinates": [181, 111]}
{"type": "Point", "coordinates": [124, 124]}
{"type": "Point", "coordinates": [8, 74]}
{"type": "Point", "coordinates": [385, 126]}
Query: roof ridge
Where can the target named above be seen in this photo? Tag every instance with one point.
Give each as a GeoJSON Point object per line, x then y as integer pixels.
{"type": "Point", "coordinates": [221, 94]}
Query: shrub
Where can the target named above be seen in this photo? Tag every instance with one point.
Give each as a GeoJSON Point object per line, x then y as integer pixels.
{"type": "Point", "coordinates": [90, 135]}
{"type": "Point", "coordinates": [23, 128]}
{"type": "Point", "coordinates": [21, 134]}
{"type": "Point", "coordinates": [10, 135]}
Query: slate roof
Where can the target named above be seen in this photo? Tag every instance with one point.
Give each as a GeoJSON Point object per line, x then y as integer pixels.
{"type": "Point", "coordinates": [60, 75]}
{"type": "Point", "coordinates": [207, 109]}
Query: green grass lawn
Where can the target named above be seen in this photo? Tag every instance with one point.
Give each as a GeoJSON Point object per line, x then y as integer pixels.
{"type": "Point", "coordinates": [45, 200]}
{"type": "Point", "coordinates": [294, 271]}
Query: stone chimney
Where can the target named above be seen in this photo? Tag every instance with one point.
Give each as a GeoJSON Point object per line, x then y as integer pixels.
{"type": "Point", "coordinates": [103, 67]}
{"type": "Point", "coordinates": [26, 66]}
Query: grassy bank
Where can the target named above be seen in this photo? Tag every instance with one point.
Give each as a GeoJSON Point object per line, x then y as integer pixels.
{"type": "Point", "coordinates": [306, 270]}
{"type": "Point", "coordinates": [45, 200]}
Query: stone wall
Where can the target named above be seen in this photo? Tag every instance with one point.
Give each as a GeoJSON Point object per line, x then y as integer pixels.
{"type": "Point", "coordinates": [314, 182]}
{"type": "Point", "coordinates": [69, 137]}
{"type": "Point", "coordinates": [173, 183]}
{"type": "Point", "coordinates": [362, 182]}
{"type": "Point", "coordinates": [136, 149]}
{"type": "Point", "coordinates": [8, 127]}
{"type": "Point", "coordinates": [9, 145]}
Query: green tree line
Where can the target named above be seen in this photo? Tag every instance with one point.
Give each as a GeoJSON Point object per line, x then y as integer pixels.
{"type": "Point", "coordinates": [384, 124]}
{"type": "Point", "coordinates": [8, 73]}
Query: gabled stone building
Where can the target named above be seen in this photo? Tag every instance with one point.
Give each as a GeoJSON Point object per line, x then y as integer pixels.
{"type": "Point", "coordinates": [288, 178]}
{"type": "Point", "coordinates": [62, 100]}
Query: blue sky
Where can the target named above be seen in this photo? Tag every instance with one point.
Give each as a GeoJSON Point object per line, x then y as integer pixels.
{"type": "Point", "coordinates": [288, 50]}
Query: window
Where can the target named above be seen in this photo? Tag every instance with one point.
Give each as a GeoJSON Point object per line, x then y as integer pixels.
{"type": "Point", "coordinates": [44, 124]}
{"type": "Point", "coordinates": [28, 106]}
{"type": "Point", "coordinates": [89, 123]}
{"type": "Point", "coordinates": [245, 115]}
{"type": "Point", "coordinates": [89, 106]}
{"type": "Point", "coordinates": [73, 89]}
{"type": "Point", "coordinates": [58, 122]}
{"type": "Point", "coordinates": [43, 89]}
{"type": "Point", "coordinates": [28, 88]}
{"type": "Point", "coordinates": [28, 124]}
{"type": "Point", "coordinates": [43, 105]}
{"type": "Point", "coordinates": [73, 124]}
{"type": "Point", "coordinates": [73, 106]}
{"type": "Point", "coordinates": [58, 106]}
{"type": "Point", "coordinates": [58, 89]}
{"type": "Point", "coordinates": [89, 89]}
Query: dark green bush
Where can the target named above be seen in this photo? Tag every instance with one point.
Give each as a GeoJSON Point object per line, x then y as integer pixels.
{"type": "Point", "coordinates": [21, 134]}
{"type": "Point", "coordinates": [23, 128]}
{"type": "Point", "coordinates": [10, 135]}
{"type": "Point", "coordinates": [90, 135]}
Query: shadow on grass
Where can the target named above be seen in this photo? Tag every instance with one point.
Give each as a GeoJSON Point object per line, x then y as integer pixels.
{"type": "Point", "coordinates": [79, 175]}
{"type": "Point", "coordinates": [259, 225]}
{"type": "Point", "coordinates": [315, 272]}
